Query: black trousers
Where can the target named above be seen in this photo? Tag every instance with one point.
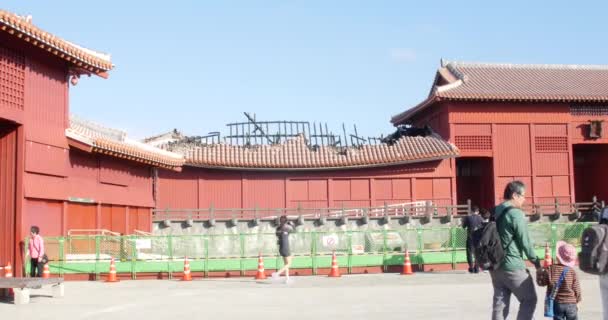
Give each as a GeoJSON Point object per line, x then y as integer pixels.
{"type": "Point", "coordinates": [36, 268]}
{"type": "Point", "coordinates": [470, 253]}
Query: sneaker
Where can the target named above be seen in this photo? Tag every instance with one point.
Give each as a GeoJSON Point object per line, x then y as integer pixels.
{"type": "Point", "coordinates": [476, 270]}
{"type": "Point", "coordinates": [471, 270]}
{"type": "Point", "coordinates": [275, 277]}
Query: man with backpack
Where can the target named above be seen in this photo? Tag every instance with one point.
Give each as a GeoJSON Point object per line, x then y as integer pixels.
{"type": "Point", "coordinates": [594, 255]}
{"type": "Point", "coordinates": [593, 261]}
{"type": "Point", "coordinates": [472, 223]}
{"type": "Point", "coordinates": [509, 273]}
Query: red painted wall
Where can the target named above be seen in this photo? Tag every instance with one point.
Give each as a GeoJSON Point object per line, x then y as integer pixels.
{"type": "Point", "coordinates": [35, 94]}
{"type": "Point", "coordinates": [46, 110]}
{"type": "Point", "coordinates": [529, 142]}
{"type": "Point", "coordinates": [437, 118]}
{"type": "Point", "coordinates": [56, 218]}
{"type": "Point", "coordinates": [100, 178]}
{"type": "Point", "coordinates": [121, 192]}
{"type": "Point", "coordinates": [201, 188]}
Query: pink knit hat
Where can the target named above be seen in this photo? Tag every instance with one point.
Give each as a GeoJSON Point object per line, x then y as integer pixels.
{"type": "Point", "coordinates": [566, 254]}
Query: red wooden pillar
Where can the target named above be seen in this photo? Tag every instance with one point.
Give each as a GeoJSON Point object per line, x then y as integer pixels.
{"type": "Point", "coordinates": [413, 190]}
{"type": "Point", "coordinates": [533, 162]}
{"type": "Point", "coordinates": [64, 218]}
{"type": "Point", "coordinates": [494, 147]}
{"type": "Point", "coordinates": [571, 165]}
{"type": "Point", "coordinates": [372, 192]}
{"type": "Point", "coordinates": [19, 201]}
{"type": "Point", "coordinates": [98, 219]}
{"type": "Point", "coordinates": [127, 220]}
{"type": "Point", "coordinates": [452, 139]}
{"type": "Point", "coordinates": [453, 181]}
{"type": "Point", "coordinates": [330, 194]}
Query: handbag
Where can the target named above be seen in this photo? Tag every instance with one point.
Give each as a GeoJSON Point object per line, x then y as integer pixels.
{"type": "Point", "coordinates": [550, 298]}
{"type": "Point", "coordinates": [45, 259]}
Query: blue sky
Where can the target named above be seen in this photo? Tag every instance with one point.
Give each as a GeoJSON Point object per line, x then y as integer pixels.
{"type": "Point", "coordinates": [197, 65]}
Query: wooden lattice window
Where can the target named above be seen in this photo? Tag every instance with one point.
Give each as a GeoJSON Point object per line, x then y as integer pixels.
{"type": "Point", "coordinates": [474, 142]}
{"type": "Point", "coordinates": [12, 79]}
{"type": "Point", "coordinates": [551, 144]}
{"type": "Point", "coordinates": [589, 110]}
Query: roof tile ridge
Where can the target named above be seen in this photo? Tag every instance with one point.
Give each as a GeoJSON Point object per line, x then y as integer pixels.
{"type": "Point", "coordinates": [456, 64]}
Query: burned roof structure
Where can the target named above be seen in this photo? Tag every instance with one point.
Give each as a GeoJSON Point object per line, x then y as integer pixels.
{"type": "Point", "coordinates": [300, 145]}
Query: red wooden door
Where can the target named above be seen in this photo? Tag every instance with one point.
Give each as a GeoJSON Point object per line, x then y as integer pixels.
{"type": "Point", "coordinates": [8, 178]}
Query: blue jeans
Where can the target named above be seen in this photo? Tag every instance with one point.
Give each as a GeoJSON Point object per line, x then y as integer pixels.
{"type": "Point", "coordinates": [566, 311]}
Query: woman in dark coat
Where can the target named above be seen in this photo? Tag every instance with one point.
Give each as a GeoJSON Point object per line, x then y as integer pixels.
{"type": "Point", "coordinates": [283, 230]}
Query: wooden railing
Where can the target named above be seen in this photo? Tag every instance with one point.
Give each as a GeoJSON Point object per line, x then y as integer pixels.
{"type": "Point", "coordinates": [418, 209]}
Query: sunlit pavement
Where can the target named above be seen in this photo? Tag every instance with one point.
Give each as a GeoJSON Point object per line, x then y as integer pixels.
{"type": "Point", "coordinates": [450, 295]}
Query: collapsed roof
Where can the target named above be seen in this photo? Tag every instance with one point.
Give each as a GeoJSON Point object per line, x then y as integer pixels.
{"type": "Point", "coordinates": [406, 145]}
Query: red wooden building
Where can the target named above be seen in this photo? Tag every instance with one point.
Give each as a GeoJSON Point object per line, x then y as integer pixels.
{"type": "Point", "coordinates": [542, 124]}
{"type": "Point", "coordinates": [491, 123]}
{"type": "Point", "coordinates": [56, 172]}
{"type": "Point", "coordinates": [294, 174]}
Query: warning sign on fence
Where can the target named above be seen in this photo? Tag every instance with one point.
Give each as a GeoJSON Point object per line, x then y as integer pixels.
{"type": "Point", "coordinates": [330, 241]}
{"type": "Point", "coordinates": [357, 249]}
{"type": "Point", "coordinates": [143, 244]}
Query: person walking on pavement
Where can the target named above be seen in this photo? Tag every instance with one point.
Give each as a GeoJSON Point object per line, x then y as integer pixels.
{"type": "Point", "coordinates": [283, 230]}
{"type": "Point", "coordinates": [511, 275]}
{"type": "Point", "coordinates": [471, 223]}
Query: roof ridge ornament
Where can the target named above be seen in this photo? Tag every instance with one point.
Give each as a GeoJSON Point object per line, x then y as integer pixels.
{"type": "Point", "coordinates": [457, 73]}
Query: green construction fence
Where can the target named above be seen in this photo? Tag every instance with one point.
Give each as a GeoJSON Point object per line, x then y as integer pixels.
{"type": "Point", "coordinates": [133, 254]}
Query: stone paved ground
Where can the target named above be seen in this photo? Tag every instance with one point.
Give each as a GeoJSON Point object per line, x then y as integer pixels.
{"type": "Point", "coordinates": [451, 295]}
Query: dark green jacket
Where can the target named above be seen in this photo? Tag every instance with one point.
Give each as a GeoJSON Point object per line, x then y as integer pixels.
{"type": "Point", "coordinates": [513, 232]}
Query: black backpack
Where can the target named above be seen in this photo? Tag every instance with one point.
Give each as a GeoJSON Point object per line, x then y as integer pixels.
{"type": "Point", "coordinates": [603, 216]}
{"type": "Point", "coordinates": [593, 257]}
{"type": "Point", "coordinates": [488, 248]}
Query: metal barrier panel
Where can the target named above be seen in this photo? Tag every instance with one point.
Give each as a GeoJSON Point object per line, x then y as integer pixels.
{"type": "Point", "coordinates": [570, 233]}
{"type": "Point", "coordinates": [436, 246]}
{"type": "Point", "coordinates": [227, 252]}
{"type": "Point", "coordinates": [540, 235]}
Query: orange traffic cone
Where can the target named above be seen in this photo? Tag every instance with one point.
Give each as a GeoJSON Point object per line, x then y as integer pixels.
{"type": "Point", "coordinates": [548, 259]}
{"type": "Point", "coordinates": [335, 271]}
{"type": "Point", "coordinates": [8, 271]}
{"type": "Point", "coordinates": [261, 275]}
{"type": "Point", "coordinates": [407, 264]}
{"type": "Point", "coordinates": [45, 271]}
{"type": "Point", "coordinates": [187, 274]}
{"type": "Point", "coordinates": [112, 275]}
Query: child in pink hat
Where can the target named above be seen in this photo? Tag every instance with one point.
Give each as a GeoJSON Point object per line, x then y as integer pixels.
{"type": "Point", "coordinates": [568, 294]}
